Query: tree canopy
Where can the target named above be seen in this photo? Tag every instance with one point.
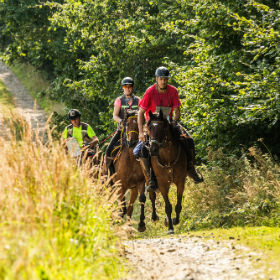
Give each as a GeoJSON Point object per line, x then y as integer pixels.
{"type": "Point", "coordinates": [223, 56]}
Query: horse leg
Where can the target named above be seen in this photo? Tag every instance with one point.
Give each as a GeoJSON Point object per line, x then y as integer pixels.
{"type": "Point", "coordinates": [121, 195]}
{"type": "Point", "coordinates": [153, 197]}
{"type": "Point", "coordinates": [178, 207]}
{"type": "Point", "coordinates": [142, 200]}
{"type": "Point", "coordinates": [168, 211]}
{"type": "Point", "coordinates": [133, 196]}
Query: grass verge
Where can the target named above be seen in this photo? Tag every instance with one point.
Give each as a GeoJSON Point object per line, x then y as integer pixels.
{"type": "Point", "coordinates": [37, 85]}
{"type": "Point", "coordinates": [6, 99]}
{"type": "Point", "coordinates": [264, 241]}
{"type": "Point", "coordinates": [56, 221]}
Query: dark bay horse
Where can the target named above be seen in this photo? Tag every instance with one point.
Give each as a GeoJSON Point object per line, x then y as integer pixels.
{"type": "Point", "coordinates": [129, 172]}
{"type": "Point", "coordinates": [169, 162]}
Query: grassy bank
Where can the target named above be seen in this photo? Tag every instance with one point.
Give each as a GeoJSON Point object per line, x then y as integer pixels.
{"type": "Point", "coordinates": [56, 223]}
{"type": "Point", "coordinates": [37, 85]}
{"type": "Point", "coordinates": [6, 99]}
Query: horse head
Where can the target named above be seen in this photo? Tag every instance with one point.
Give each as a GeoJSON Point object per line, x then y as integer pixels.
{"type": "Point", "coordinates": [131, 127]}
{"type": "Point", "coordinates": [158, 132]}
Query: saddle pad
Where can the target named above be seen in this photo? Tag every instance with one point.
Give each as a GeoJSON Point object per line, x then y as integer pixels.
{"type": "Point", "coordinates": [73, 147]}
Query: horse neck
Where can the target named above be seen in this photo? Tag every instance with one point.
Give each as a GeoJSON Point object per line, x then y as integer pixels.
{"type": "Point", "coordinates": [169, 150]}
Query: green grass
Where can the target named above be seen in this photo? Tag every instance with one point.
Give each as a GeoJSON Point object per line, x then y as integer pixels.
{"type": "Point", "coordinates": [262, 240]}
{"type": "Point", "coordinates": [37, 85]}
{"type": "Point", "coordinates": [6, 99]}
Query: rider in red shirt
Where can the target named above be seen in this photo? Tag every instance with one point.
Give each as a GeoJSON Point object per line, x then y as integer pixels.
{"type": "Point", "coordinates": [166, 96]}
{"type": "Point", "coordinates": [153, 98]}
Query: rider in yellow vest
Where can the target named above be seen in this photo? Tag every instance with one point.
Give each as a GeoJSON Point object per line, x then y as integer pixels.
{"type": "Point", "coordinates": [80, 131]}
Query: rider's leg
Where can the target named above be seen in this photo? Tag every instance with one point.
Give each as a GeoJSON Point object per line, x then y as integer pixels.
{"type": "Point", "coordinates": [108, 157]}
{"type": "Point", "coordinates": [141, 152]}
{"type": "Point", "coordinates": [149, 174]}
{"type": "Point", "coordinates": [188, 143]}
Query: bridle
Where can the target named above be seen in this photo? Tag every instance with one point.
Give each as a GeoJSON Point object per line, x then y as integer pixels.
{"type": "Point", "coordinates": [131, 131]}
{"type": "Point", "coordinates": [155, 141]}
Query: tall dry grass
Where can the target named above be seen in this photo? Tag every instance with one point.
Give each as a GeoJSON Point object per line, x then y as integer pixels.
{"type": "Point", "coordinates": [56, 222]}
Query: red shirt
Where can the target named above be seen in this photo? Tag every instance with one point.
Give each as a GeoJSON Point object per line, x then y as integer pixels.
{"type": "Point", "coordinates": [152, 98]}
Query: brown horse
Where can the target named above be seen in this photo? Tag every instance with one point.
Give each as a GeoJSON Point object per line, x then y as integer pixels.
{"type": "Point", "coordinates": [169, 162]}
{"type": "Point", "coordinates": [129, 172]}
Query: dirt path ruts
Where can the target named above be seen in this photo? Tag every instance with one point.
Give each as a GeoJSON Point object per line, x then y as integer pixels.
{"type": "Point", "coordinates": [25, 105]}
{"type": "Point", "coordinates": [191, 258]}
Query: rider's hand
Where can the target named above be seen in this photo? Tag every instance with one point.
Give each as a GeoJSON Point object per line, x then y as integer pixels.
{"type": "Point", "coordinates": [174, 123]}
{"type": "Point", "coordinates": [85, 146]}
{"type": "Point", "coordinates": [121, 124]}
{"type": "Point", "coordinates": [141, 136]}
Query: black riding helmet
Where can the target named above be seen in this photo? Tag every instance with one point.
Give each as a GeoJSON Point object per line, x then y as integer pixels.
{"type": "Point", "coordinates": [127, 81]}
{"type": "Point", "coordinates": [162, 72]}
{"type": "Point", "coordinates": [74, 114]}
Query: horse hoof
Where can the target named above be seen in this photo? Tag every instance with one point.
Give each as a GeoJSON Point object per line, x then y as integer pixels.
{"type": "Point", "coordinates": [141, 228]}
{"type": "Point", "coordinates": [171, 231]}
{"type": "Point", "coordinates": [175, 221]}
{"type": "Point", "coordinates": [155, 218]}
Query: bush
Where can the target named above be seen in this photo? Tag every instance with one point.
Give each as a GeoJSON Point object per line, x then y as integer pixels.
{"type": "Point", "coordinates": [236, 192]}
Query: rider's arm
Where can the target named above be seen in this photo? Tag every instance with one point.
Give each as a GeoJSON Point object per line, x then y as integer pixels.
{"type": "Point", "coordinates": [92, 136]}
{"type": "Point", "coordinates": [176, 113]}
{"type": "Point", "coordinates": [141, 123]}
{"type": "Point", "coordinates": [116, 114]}
{"type": "Point", "coordinates": [94, 141]}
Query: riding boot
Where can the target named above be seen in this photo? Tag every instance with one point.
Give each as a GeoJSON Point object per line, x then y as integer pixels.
{"type": "Point", "coordinates": [191, 167]}
{"type": "Point", "coordinates": [149, 174]}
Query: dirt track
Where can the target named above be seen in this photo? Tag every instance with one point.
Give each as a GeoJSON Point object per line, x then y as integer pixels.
{"type": "Point", "coordinates": [191, 258]}
{"type": "Point", "coordinates": [172, 258]}
{"type": "Point", "coordinates": [25, 105]}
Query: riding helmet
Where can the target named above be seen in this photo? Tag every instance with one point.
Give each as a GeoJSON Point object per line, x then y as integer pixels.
{"type": "Point", "coordinates": [162, 72]}
{"type": "Point", "coordinates": [74, 114]}
{"type": "Point", "coordinates": [127, 81]}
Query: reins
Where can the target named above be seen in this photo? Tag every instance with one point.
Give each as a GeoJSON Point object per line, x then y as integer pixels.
{"type": "Point", "coordinates": [132, 131]}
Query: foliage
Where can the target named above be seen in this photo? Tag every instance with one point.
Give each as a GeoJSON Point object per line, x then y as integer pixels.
{"type": "Point", "coordinates": [237, 192]}
{"type": "Point", "coordinates": [231, 73]}
{"type": "Point", "coordinates": [223, 56]}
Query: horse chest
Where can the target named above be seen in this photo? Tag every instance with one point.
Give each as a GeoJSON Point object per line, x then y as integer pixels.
{"type": "Point", "coordinates": [167, 163]}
